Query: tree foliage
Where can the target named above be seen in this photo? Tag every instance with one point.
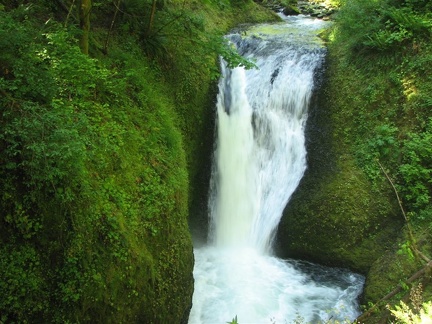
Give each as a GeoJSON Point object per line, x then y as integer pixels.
{"type": "Point", "coordinates": [406, 315]}
{"type": "Point", "coordinates": [89, 176]}
{"type": "Point", "coordinates": [94, 178]}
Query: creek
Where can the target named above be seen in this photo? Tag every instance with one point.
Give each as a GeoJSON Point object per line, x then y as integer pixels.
{"type": "Point", "coordinates": [259, 160]}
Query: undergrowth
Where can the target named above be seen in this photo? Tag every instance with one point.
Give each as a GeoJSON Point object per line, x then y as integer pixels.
{"type": "Point", "coordinates": [98, 154]}
{"type": "Point", "coordinates": [88, 174]}
{"type": "Point", "coordinates": [389, 46]}
{"type": "Point", "coordinates": [380, 67]}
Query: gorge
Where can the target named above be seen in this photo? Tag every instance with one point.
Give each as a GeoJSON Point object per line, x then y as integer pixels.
{"type": "Point", "coordinates": [107, 122]}
{"type": "Point", "coordinates": [259, 160]}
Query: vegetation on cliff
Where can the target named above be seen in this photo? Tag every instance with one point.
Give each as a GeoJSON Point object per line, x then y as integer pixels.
{"type": "Point", "coordinates": [106, 129]}
{"type": "Point", "coordinates": [365, 201]}
{"type": "Point", "coordinates": [97, 153]}
{"type": "Point", "coordinates": [385, 55]}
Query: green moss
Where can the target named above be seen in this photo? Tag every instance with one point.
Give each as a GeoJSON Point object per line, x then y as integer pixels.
{"type": "Point", "coordinates": [100, 160]}
{"type": "Point", "coordinates": [336, 216]}
{"type": "Point", "coordinates": [345, 211]}
{"type": "Point", "coordinates": [336, 220]}
{"type": "Point", "coordinates": [387, 273]}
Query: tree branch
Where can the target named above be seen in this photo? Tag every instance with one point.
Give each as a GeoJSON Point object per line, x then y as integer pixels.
{"type": "Point", "coordinates": [105, 49]}
{"type": "Point", "coordinates": [411, 235]}
{"type": "Point", "coordinates": [395, 291]}
{"type": "Point", "coordinates": [69, 13]}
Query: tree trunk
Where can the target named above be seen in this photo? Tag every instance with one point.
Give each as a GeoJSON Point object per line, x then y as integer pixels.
{"type": "Point", "coordinates": [84, 20]}
{"type": "Point", "coordinates": [152, 14]}
{"type": "Point", "coordinates": [117, 6]}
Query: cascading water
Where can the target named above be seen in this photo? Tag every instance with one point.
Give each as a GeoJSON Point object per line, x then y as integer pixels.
{"type": "Point", "coordinates": [259, 160]}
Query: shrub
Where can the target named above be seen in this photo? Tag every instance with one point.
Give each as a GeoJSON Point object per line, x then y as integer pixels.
{"type": "Point", "coordinates": [406, 315]}
{"type": "Point", "coordinates": [416, 169]}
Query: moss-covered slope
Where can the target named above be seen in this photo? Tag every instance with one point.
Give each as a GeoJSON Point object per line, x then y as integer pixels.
{"type": "Point", "coordinates": [100, 156]}
{"type": "Point", "coordinates": [369, 139]}
{"type": "Point", "coordinates": [335, 217]}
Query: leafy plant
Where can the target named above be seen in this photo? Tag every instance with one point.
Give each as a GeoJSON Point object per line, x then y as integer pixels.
{"type": "Point", "coordinates": [400, 25]}
{"type": "Point", "coordinates": [380, 26]}
{"type": "Point", "coordinates": [23, 286]}
{"type": "Point", "coordinates": [416, 170]}
{"type": "Point", "coordinates": [406, 315]}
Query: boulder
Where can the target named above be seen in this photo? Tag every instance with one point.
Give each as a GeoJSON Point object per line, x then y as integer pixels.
{"type": "Point", "coordinates": [291, 11]}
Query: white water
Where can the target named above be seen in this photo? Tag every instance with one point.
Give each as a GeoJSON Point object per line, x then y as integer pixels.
{"type": "Point", "coordinates": [260, 158]}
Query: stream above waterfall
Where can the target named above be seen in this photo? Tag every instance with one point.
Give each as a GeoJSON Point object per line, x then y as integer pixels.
{"type": "Point", "coordinates": [259, 160]}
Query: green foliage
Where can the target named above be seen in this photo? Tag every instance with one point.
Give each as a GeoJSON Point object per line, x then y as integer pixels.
{"type": "Point", "coordinates": [384, 138]}
{"type": "Point", "coordinates": [94, 180]}
{"type": "Point", "coordinates": [400, 137]}
{"type": "Point", "coordinates": [416, 169]}
{"type": "Point", "coordinates": [174, 25]}
{"type": "Point", "coordinates": [417, 5]}
{"type": "Point", "coordinates": [407, 315]}
{"type": "Point", "coordinates": [239, 2]}
{"type": "Point", "coordinates": [23, 285]}
{"type": "Point", "coordinates": [94, 184]}
{"type": "Point", "coordinates": [379, 94]}
{"type": "Point", "coordinates": [355, 21]}
{"type": "Point", "coordinates": [367, 25]}
{"type": "Point", "coordinates": [229, 53]}
{"type": "Point", "coordinates": [406, 249]}
{"type": "Point", "coordinates": [400, 25]}
{"type": "Point", "coordinates": [42, 148]}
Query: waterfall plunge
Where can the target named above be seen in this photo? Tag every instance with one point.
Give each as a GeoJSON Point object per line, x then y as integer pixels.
{"type": "Point", "coordinates": [259, 160]}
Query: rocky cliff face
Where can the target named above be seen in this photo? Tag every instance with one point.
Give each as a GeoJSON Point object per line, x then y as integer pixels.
{"type": "Point", "coordinates": [335, 217]}
{"type": "Point", "coordinates": [338, 216]}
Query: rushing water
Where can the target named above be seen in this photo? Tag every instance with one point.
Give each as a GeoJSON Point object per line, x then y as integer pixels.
{"type": "Point", "coordinates": [259, 160]}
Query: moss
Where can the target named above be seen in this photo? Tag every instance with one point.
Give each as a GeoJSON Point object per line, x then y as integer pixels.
{"type": "Point", "coordinates": [336, 217]}
{"type": "Point", "coordinates": [337, 222]}
{"type": "Point", "coordinates": [387, 273]}
{"type": "Point", "coordinates": [345, 212]}
{"type": "Point", "coordinates": [102, 163]}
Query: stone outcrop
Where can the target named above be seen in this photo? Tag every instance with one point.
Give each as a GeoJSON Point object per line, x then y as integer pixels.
{"type": "Point", "coordinates": [311, 8]}
{"type": "Point", "coordinates": [316, 9]}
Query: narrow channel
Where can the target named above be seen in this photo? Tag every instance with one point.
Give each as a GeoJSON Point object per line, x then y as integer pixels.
{"type": "Point", "coordinates": [259, 160]}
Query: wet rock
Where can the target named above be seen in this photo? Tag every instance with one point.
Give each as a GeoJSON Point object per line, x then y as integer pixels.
{"type": "Point", "coordinates": [291, 11]}
{"type": "Point", "coordinates": [315, 9]}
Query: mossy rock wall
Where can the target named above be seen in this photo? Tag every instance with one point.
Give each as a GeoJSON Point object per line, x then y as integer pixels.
{"type": "Point", "coordinates": [335, 217]}
{"type": "Point", "coordinates": [345, 211]}
{"type": "Point", "coordinates": [94, 184]}
{"type": "Point", "coordinates": [104, 158]}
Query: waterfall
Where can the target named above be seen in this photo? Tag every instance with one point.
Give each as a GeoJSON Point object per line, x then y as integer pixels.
{"type": "Point", "coordinates": [259, 160]}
